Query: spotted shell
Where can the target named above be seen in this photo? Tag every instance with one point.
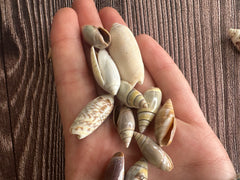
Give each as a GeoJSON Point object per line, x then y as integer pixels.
{"type": "Point", "coordinates": [153, 153]}
{"type": "Point", "coordinates": [165, 124]}
{"type": "Point", "coordinates": [92, 116]}
{"type": "Point", "coordinates": [139, 171]}
{"type": "Point", "coordinates": [96, 36]}
{"type": "Point", "coordinates": [125, 123]}
{"type": "Point", "coordinates": [234, 34]}
{"type": "Point", "coordinates": [105, 71]}
{"type": "Point", "coordinates": [153, 97]}
{"type": "Point", "coordinates": [131, 97]}
{"type": "Point", "coordinates": [125, 52]}
{"type": "Point", "coordinates": [115, 168]}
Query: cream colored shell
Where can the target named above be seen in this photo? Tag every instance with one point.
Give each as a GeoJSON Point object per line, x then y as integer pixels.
{"type": "Point", "coordinates": [139, 171]}
{"type": "Point", "coordinates": [125, 52]}
{"type": "Point", "coordinates": [234, 34]}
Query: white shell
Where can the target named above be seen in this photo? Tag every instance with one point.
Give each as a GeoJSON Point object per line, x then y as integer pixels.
{"type": "Point", "coordinates": [105, 71]}
{"type": "Point", "coordinates": [92, 116]}
{"type": "Point", "coordinates": [234, 34]}
{"type": "Point", "coordinates": [126, 54]}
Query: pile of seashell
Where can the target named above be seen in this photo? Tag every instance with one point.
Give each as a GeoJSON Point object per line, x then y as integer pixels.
{"type": "Point", "coordinates": [117, 72]}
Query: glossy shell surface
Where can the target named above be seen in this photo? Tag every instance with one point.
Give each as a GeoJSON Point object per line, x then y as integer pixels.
{"type": "Point", "coordinates": [139, 171]}
{"type": "Point", "coordinates": [165, 124]}
{"type": "Point", "coordinates": [92, 116]}
{"type": "Point", "coordinates": [153, 153]}
{"type": "Point", "coordinates": [105, 71]}
{"type": "Point", "coordinates": [125, 52]}
{"type": "Point", "coordinates": [234, 34]}
{"type": "Point", "coordinates": [153, 98]}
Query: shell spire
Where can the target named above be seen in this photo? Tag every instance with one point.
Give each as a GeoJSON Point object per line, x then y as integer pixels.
{"type": "Point", "coordinates": [139, 171]}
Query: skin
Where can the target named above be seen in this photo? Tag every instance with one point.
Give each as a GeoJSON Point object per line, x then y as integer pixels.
{"type": "Point", "coordinates": [196, 151]}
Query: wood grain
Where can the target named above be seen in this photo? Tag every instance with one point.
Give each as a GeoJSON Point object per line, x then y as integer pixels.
{"type": "Point", "coordinates": [194, 33]}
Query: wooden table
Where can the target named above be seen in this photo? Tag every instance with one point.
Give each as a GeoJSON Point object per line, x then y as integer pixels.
{"type": "Point", "coordinates": [193, 32]}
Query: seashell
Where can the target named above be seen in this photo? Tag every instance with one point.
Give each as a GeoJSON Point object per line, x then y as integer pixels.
{"type": "Point", "coordinates": [96, 36]}
{"type": "Point", "coordinates": [105, 71]}
{"type": "Point", "coordinates": [115, 168]}
{"type": "Point", "coordinates": [92, 116]}
{"type": "Point", "coordinates": [153, 153]}
{"type": "Point", "coordinates": [234, 34]}
{"type": "Point", "coordinates": [165, 124]}
{"type": "Point", "coordinates": [131, 97]}
{"type": "Point", "coordinates": [139, 171]}
{"type": "Point", "coordinates": [125, 52]}
{"type": "Point", "coordinates": [125, 123]}
{"type": "Point", "coordinates": [153, 97]}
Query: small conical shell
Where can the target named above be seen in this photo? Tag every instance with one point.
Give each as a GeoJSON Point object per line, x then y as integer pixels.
{"type": "Point", "coordinates": [125, 123]}
{"type": "Point", "coordinates": [153, 153]}
{"type": "Point", "coordinates": [96, 36]}
{"type": "Point", "coordinates": [105, 71]}
{"type": "Point", "coordinates": [234, 34]}
{"type": "Point", "coordinates": [92, 116]}
{"type": "Point", "coordinates": [165, 124]}
{"type": "Point", "coordinates": [125, 52]}
{"type": "Point", "coordinates": [131, 97]}
{"type": "Point", "coordinates": [115, 168]}
{"type": "Point", "coordinates": [139, 171]}
{"type": "Point", "coordinates": [153, 97]}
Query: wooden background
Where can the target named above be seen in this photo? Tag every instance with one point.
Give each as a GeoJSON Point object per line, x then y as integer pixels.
{"type": "Point", "coordinates": [193, 32]}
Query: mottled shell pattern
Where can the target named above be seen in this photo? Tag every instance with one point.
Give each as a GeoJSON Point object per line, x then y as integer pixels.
{"type": "Point", "coordinates": [131, 97]}
{"type": "Point", "coordinates": [92, 116]}
{"type": "Point", "coordinates": [115, 168]}
{"type": "Point", "coordinates": [139, 171]}
{"type": "Point", "coordinates": [153, 153]}
{"type": "Point", "coordinates": [165, 124]}
{"type": "Point", "coordinates": [153, 97]}
{"type": "Point", "coordinates": [234, 34]}
{"type": "Point", "coordinates": [126, 54]}
{"type": "Point", "coordinates": [105, 71]}
{"type": "Point", "coordinates": [124, 121]}
{"type": "Point", "coordinates": [96, 36]}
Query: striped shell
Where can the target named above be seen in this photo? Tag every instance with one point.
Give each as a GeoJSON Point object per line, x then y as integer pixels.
{"type": "Point", "coordinates": [125, 123]}
{"type": "Point", "coordinates": [125, 52]}
{"type": "Point", "coordinates": [153, 153]}
{"type": "Point", "coordinates": [153, 97]}
{"type": "Point", "coordinates": [115, 168]}
{"type": "Point", "coordinates": [92, 116]}
{"type": "Point", "coordinates": [165, 124]}
{"type": "Point", "coordinates": [96, 36]}
{"type": "Point", "coordinates": [234, 34]}
{"type": "Point", "coordinates": [139, 171]}
{"type": "Point", "coordinates": [131, 97]}
{"type": "Point", "coordinates": [105, 71]}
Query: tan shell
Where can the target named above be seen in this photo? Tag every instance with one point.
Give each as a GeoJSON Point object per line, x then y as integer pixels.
{"type": "Point", "coordinates": [125, 123]}
{"type": "Point", "coordinates": [115, 168]}
{"type": "Point", "coordinates": [96, 36]}
{"type": "Point", "coordinates": [125, 52]}
{"type": "Point", "coordinates": [153, 97]}
{"type": "Point", "coordinates": [131, 97]}
{"type": "Point", "coordinates": [105, 71]}
{"type": "Point", "coordinates": [153, 153]}
{"type": "Point", "coordinates": [139, 171]}
{"type": "Point", "coordinates": [165, 124]}
{"type": "Point", "coordinates": [234, 34]}
{"type": "Point", "coordinates": [92, 116]}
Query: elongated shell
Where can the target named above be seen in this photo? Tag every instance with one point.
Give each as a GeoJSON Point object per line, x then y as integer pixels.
{"type": "Point", "coordinates": [96, 36]}
{"type": "Point", "coordinates": [115, 168]}
{"type": "Point", "coordinates": [92, 116]}
{"type": "Point", "coordinates": [125, 52]}
{"type": "Point", "coordinates": [139, 171]}
{"type": "Point", "coordinates": [153, 153]}
{"type": "Point", "coordinates": [234, 34]}
{"type": "Point", "coordinates": [153, 97]}
{"type": "Point", "coordinates": [165, 124]}
{"type": "Point", "coordinates": [105, 71]}
{"type": "Point", "coordinates": [131, 97]}
{"type": "Point", "coordinates": [125, 124]}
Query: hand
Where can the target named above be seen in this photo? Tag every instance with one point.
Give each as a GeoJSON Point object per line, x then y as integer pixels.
{"type": "Point", "coordinates": [196, 151]}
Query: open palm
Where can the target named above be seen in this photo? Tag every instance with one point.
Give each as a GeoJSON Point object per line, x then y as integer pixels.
{"type": "Point", "coordinates": [196, 151]}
